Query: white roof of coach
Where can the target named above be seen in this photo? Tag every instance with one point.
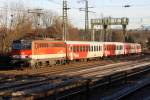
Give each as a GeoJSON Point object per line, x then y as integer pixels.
{"type": "Point", "coordinates": [114, 43]}
{"type": "Point", "coordinates": [83, 42]}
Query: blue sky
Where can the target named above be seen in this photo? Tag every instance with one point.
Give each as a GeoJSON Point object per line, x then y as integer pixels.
{"type": "Point", "coordinates": [138, 12]}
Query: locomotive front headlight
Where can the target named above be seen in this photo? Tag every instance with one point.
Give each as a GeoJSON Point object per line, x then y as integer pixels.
{"type": "Point", "coordinates": [26, 56]}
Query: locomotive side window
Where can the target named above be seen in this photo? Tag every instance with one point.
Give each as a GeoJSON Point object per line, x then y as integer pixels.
{"type": "Point", "coordinates": [46, 45]}
{"type": "Point", "coordinates": [56, 45]}
{"type": "Point", "coordinates": [40, 45]}
{"type": "Point", "coordinates": [36, 46]}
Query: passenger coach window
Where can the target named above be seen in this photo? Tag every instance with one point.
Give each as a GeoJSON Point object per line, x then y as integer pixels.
{"type": "Point", "coordinates": [71, 49]}
{"type": "Point", "coordinates": [83, 48]}
{"type": "Point", "coordinates": [96, 48]}
{"type": "Point", "coordinates": [74, 49]}
{"type": "Point", "coordinates": [87, 49]}
{"type": "Point", "coordinates": [80, 48]}
{"type": "Point", "coordinates": [77, 48]}
{"type": "Point", "coordinates": [91, 48]}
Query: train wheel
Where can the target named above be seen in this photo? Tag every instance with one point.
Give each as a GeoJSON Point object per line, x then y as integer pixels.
{"type": "Point", "coordinates": [39, 65]}
{"type": "Point", "coordinates": [85, 60]}
{"type": "Point", "coordinates": [47, 63]}
{"type": "Point", "coordinates": [63, 62]}
{"type": "Point", "coordinates": [34, 66]}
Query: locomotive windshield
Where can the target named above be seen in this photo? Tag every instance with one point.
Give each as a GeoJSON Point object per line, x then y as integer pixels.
{"type": "Point", "coordinates": [22, 44]}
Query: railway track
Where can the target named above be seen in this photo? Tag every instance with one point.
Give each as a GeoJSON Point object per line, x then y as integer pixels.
{"type": "Point", "coordinates": [57, 69]}
{"type": "Point", "coordinates": [140, 94]}
{"type": "Point", "coordinates": [103, 70]}
{"type": "Point", "coordinates": [133, 85]}
{"type": "Point", "coordinates": [70, 67]}
{"type": "Point", "coordinates": [70, 78]}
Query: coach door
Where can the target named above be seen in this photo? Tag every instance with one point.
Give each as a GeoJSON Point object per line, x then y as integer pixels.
{"type": "Point", "coordinates": [71, 52]}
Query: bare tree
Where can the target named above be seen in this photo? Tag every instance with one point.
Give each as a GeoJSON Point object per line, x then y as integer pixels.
{"type": "Point", "coordinates": [16, 21]}
{"type": "Point", "coordinates": [13, 24]}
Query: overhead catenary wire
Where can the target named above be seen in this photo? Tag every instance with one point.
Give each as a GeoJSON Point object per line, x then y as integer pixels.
{"type": "Point", "coordinates": [26, 10]}
{"type": "Point", "coordinates": [128, 5]}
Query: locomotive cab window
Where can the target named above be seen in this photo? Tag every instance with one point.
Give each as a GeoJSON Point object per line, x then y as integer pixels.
{"type": "Point", "coordinates": [22, 44]}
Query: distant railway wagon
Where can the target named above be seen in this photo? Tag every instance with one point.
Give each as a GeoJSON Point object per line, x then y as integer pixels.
{"type": "Point", "coordinates": [120, 49]}
{"type": "Point", "coordinates": [127, 48]}
{"type": "Point", "coordinates": [109, 49]}
{"type": "Point", "coordinates": [39, 52]}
